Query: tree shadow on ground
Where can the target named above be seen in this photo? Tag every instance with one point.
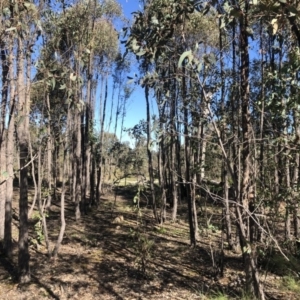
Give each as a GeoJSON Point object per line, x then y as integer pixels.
{"type": "Point", "coordinates": [99, 258]}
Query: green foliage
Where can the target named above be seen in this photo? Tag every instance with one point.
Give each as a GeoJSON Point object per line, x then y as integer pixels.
{"type": "Point", "coordinates": [136, 198]}
{"type": "Point", "coordinates": [38, 228]}
{"type": "Point", "coordinates": [160, 229]}
{"type": "Point", "coordinates": [219, 296]}
{"type": "Point", "coordinates": [212, 227]}
{"type": "Point", "coordinates": [151, 35]}
{"type": "Point", "coordinates": [291, 284]}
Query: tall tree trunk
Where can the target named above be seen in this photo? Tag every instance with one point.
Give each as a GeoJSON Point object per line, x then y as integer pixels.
{"type": "Point", "coordinates": [253, 284]}
{"type": "Point", "coordinates": [188, 177]}
{"type": "Point", "coordinates": [78, 159]}
{"type": "Point", "coordinates": [41, 207]}
{"type": "Point", "coordinates": [23, 257]}
{"type": "Point", "coordinates": [149, 154]}
{"type": "Point", "coordinates": [162, 159]}
{"type": "Point", "coordinates": [103, 114]}
{"type": "Point", "coordinates": [87, 145]}
{"type": "Point", "coordinates": [224, 170]}
{"type": "Point", "coordinates": [173, 165]}
{"type": "Point", "coordinates": [49, 155]}
{"type": "Point", "coordinates": [161, 168]}
{"type": "Point", "coordinates": [295, 180]}
{"type": "Point", "coordinates": [10, 161]}
{"type": "Point", "coordinates": [6, 64]}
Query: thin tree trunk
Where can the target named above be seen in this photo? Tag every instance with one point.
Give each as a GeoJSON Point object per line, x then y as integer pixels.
{"type": "Point", "coordinates": [296, 208]}
{"type": "Point", "coordinates": [173, 164]}
{"type": "Point", "coordinates": [33, 178]}
{"type": "Point", "coordinates": [41, 207]}
{"type": "Point", "coordinates": [224, 171]}
{"type": "Point", "coordinates": [101, 176]}
{"type": "Point", "coordinates": [62, 208]}
{"type": "Point", "coordinates": [49, 156]}
{"type": "Point", "coordinates": [6, 66]}
{"type": "Point", "coordinates": [162, 168]}
{"type": "Point", "coordinates": [149, 154]}
{"type": "Point", "coordinates": [78, 159]}
{"type": "Point", "coordinates": [10, 161]}
{"type": "Point", "coordinates": [187, 156]}
{"type": "Point", "coordinates": [63, 191]}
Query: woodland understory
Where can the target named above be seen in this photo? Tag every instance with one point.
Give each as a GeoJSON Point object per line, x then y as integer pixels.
{"type": "Point", "coordinates": [202, 202]}
{"type": "Point", "coordinates": [119, 252]}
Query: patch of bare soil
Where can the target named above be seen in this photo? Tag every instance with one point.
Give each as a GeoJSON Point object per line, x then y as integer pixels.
{"type": "Point", "coordinates": [116, 253]}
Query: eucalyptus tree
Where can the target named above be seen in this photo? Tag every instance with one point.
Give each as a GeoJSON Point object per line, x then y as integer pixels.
{"type": "Point", "coordinates": [7, 131]}
{"type": "Point", "coordinates": [138, 133]}
{"type": "Point", "coordinates": [74, 39]}
{"type": "Point", "coordinates": [155, 40]}
{"type": "Point", "coordinates": [21, 23]}
{"type": "Point", "coordinates": [158, 37]}
{"type": "Point", "coordinates": [246, 100]}
{"type": "Point", "coordinates": [150, 36]}
{"type": "Point", "coordinates": [24, 41]}
{"type": "Point", "coordinates": [5, 68]}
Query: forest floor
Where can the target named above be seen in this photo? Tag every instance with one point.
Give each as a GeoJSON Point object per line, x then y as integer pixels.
{"type": "Point", "coordinates": [102, 257]}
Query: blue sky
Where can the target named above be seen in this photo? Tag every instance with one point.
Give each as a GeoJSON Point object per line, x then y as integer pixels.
{"type": "Point", "coordinates": [136, 106]}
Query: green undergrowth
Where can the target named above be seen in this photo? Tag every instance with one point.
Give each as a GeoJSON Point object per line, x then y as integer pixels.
{"type": "Point", "coordinates": [291, 284]}
{"type": "Point", "coordinates": [276, 263]}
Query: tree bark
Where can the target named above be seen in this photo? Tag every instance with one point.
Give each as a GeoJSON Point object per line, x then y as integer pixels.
{"type": "Point", "coordinates": [149, 154]}
{"type": "Point", "coordinates": [253, 284]}
{"type": "Point", "coordinates": [10, 160]}
{"type": "Point", "coordinates": [5, 61]}
{"type": "Point", "coordinates": [23, 113]}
